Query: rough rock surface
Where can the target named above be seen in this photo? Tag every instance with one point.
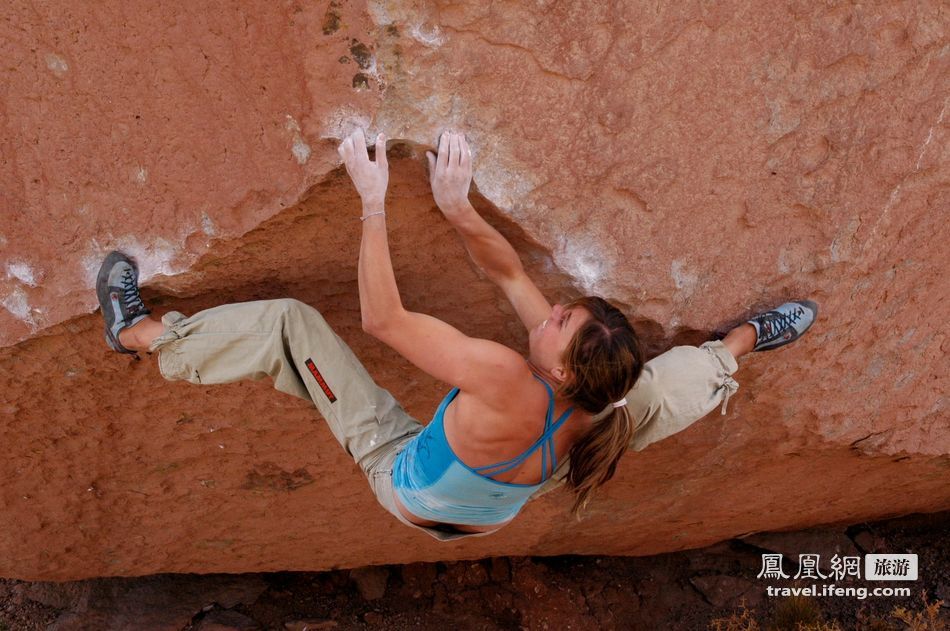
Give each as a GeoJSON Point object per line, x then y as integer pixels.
{"type": "Point", "coordinates": [690, 160]}
{"type": "Point", "coordinates": [688, 589]}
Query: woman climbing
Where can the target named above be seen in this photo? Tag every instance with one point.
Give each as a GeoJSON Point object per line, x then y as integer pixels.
{"type": "Point", "coordinates": [508, 421]}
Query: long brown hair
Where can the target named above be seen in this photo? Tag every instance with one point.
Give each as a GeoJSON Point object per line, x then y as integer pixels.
{"type": "Point", "coordinates": [604, 360]}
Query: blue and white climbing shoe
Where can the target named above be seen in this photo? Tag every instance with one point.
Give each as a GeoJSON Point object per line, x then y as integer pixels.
{"type": "Point", "coordinates": [118, 289]}
{"type": "Point", "coordinates": [783, 325]}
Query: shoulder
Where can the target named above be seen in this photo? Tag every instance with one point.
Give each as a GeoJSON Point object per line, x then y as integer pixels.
{"type": "Point", "coordinates": [505, 390]}
{"type": "Point", "coordinates": [507, 375]}
{"type": "Point", "coordinates": [472, 364]}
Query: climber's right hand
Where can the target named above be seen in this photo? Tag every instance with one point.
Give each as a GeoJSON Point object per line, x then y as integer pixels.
{"type": "Point", "coordinates": [370, 178]}
{"type": "Point", "coordinates": [450, 174]}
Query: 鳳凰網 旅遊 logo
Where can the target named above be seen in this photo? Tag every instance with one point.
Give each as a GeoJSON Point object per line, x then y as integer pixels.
{"type": "Point", "coordinates": [876, 567]}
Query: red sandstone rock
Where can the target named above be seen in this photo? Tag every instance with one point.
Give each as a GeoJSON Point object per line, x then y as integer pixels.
{"type": "Point", "coordinates": [691, 162]}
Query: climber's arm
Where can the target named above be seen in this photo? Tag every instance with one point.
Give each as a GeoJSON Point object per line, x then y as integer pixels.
{"type": "Point", "coordinates": [451, 174]}
{"type": "Point", "coordinates": [474, 365]}
{"type": "Point", "coordinates": [500, 263]}
{"type": "Point", "coordinates": [379, 294]}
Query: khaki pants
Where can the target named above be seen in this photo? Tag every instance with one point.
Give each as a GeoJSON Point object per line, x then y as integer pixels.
{"type": "Point", "coordinates": [290, 342]}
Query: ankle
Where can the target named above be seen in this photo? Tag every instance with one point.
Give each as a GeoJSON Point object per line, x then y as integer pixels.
{"type": "Point", "coordinates": [740, 340]}
{"type": "Point", "coordinates": [129, 339]}
{"type": "Point", "coordinates": [140, 335]}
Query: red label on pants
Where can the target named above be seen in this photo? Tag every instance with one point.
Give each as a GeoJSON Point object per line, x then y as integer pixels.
{"type": "Point", "coordinates": [320, 380]}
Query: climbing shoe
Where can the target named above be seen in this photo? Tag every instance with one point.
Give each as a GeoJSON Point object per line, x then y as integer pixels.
{"type": "Point", "coordinates": [783, 325]}
{"type": "Point", "coordinates": [118, 289]}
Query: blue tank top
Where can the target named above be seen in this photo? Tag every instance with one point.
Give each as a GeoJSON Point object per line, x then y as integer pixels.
{"type": "Point", "coordinates": [432, 483]}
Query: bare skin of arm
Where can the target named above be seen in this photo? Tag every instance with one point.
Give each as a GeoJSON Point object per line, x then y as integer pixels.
{"type": "Point", "coordinates": [492, 253]}
{"type": "Point", "coordinates": [476, 366]}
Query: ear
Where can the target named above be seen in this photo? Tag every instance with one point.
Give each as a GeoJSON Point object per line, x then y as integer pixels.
{"type": "Point", "coordinates": [559, 373]}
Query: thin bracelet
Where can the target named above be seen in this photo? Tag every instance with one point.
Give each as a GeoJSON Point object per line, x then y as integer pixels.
{"type": "Point", "coordinates": [382, 212]}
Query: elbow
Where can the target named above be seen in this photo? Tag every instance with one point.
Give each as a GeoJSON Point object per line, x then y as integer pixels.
{"type": "Point", "coordinates": [376, 324]}
{"type": "Point", "coordinates": [508, 275]}
{"type": "Point", "coordinates": [371, 325]}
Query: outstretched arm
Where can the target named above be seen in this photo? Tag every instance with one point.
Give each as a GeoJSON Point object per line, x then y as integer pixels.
{"type": "Point", "coordinates": [451, 175]}
{"type": "Point", "coordinates": [379, 294]}
{"type": "Point", "coordinates": [474, 365]}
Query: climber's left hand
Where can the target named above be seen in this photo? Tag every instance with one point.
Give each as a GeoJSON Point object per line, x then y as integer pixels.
{"type": "Point", "coordinates": [370, 178]}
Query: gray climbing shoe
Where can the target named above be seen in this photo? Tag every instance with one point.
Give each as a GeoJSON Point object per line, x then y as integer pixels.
{"type": "Point", "coordinates": [118, 289]}
{"type": "Point", "coordinates": [783, 325]}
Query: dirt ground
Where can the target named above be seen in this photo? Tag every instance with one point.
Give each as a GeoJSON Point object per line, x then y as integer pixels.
{"type": "Point", "coordinates": [710, 588]}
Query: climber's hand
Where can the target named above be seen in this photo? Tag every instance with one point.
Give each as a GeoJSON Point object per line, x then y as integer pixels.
{"type": "Point", "coordinates": [451, 173]}
{"type": "Point", "coordinates": [370, 178]}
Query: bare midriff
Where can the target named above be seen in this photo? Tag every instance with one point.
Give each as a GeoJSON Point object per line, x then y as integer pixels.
{"type": "Point", "coordinates": [428, 523]}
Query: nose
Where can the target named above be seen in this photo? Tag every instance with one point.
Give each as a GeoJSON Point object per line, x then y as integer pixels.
{"type": "Point", "coordinates": [556, 312]}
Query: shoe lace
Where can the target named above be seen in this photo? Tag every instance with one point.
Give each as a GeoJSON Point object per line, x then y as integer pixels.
{"type": "Point", "coordinates": [130, 294]}
{"type": "Point", "coordinates": [774, 323]}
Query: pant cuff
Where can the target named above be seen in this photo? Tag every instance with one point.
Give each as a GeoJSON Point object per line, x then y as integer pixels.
{"type": "Point", "coordinates": [168, 364]}
{"type": "Point", "coordinates": [728, 364]}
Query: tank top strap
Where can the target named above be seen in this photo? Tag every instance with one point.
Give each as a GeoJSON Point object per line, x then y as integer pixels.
{"type": "Point", "coordinates": [545, 441]}
{"type": "Point", "coordinates": [549, 436]}
{"type": "Point", "coordinates": [550, 413]}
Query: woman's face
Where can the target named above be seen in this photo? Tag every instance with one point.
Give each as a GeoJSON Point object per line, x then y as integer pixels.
{"type": "Point", "coordinates": [548, 341]}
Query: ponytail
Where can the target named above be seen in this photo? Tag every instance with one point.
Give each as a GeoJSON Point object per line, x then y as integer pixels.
{"type": "Point", "coordinates": [595, 456]}
{"type": "Point", "coordinates": [604, 361]}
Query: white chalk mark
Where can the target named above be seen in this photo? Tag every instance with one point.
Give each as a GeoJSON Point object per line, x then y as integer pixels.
{"type": "Point", "coordinates": [343, 122]}
{"type": "Point", "coordinates": [207, 225]}
{"type": "Point", "coordinates": [892, 198]}
{"type": "Point", "coordinates": [431, 38]}
{"type": "Point", "coordinates": [57, 64]}
{"type": "Point", "coordinates": [379, 13]}
{"type": "Point", "coordinates": [300, 148]}
{"type": "Point", "coordinates": [291, 124]}
{"type": "Point", "coordinates": [783, 265]}
{"type": "Point", "coordinates": [153, 257]}
{"type": "Point", "coordinates": [930, 136]}
{"type": "Point", "coordinates": [503, 183]}
{"type": "Point", "coordinates": [683, 280]}
{"type": "Point", "coordinates": [22, 272]}
{"type": "Point", "coordinates": [19, 307]}
{"type": "Point", "coordinates": [584, 260]}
